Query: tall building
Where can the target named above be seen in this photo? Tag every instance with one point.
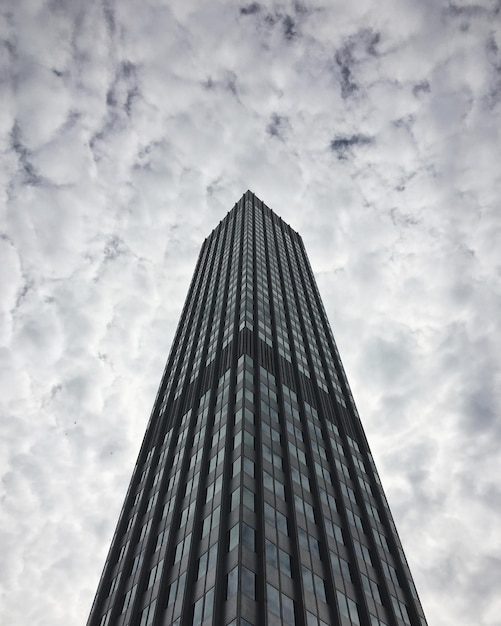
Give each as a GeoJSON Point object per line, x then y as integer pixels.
{"type": "Point", "coordinates": [255, 499]}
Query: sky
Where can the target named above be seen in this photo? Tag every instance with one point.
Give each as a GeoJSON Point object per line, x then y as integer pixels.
{"type": "Point", "coordinates": [128, 130]}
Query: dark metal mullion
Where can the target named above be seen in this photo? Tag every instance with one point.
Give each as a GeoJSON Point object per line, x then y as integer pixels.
{"type": "Point", "coordinates": [327, 567]}
{"type": "Point", "coordinates": [221, 561]}
{"type": "Point", "coordinates": [176, 427]}
{"type": "Point", "coordinates": [297, 579]}
{"type": "Point", "coordinates": [173, 532]}
{"type": "Point", "coordinates": [186, 611]}
{"type": "Point", "coordinates": [258, 469]}
{"type": "Point", "coordinates": [289, 500]}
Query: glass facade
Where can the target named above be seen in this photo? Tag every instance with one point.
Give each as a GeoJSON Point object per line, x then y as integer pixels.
{"type": "Point", "coordinates": [255, 499]}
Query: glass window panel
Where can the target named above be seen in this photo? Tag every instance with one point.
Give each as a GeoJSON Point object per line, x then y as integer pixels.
{"type": "Point", "coordinates": [232, 582]}
{"type": "Point", "coordinates": [209, 603]}
{"type": "Point", "coordinates": [353, 610]}
{"type": "Point", "coordinates": [233, 537]}
{"type": "Point", "coordinates": [202, 565]}
{"type": "Point", "coordinates": [287, 610]}
{"type": "Point", "coordinates": [248, 537]}
{"type": "Point", "coordinates": [248, 498]}
{"type": "Point", "coordinates": [273, 600]}
{"type": "Point", "coordinates": [248, 583]}
{"type": "Point", "coordinates": [198, 611]}
{"type": "Point", "coordinates": [271, 553]}
{"type": "Point", "coordinates": [285, 562]}
{"type": "Point", "coordinates": [212, 557]}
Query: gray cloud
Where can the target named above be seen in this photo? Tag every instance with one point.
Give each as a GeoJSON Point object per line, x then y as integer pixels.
{"type": "Point", "coordinates": [349, 56]}
{"type": "Point", "coordinates": [28, 173]}
{"type": "Point", "coordinates": [289, 26]}
{"type": "Point", "coordinates": [250, 9]}
{"type": "Point", "coordinates": [421, 88]}
{"type": "Point", "coordinates": [343, 146]}
{"type": "Point", "coordinates": [278, 126]}
{"type": "Point", "coordinates": [345, 61]}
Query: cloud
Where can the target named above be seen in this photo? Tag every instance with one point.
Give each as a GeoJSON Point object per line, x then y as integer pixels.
{"type": "Point", "coordinates": [343, 146]}
{"type": "Point", "coordinates": [27, 172]}
{"type": "Point", "coordinates": [421, 88]}
{"type": "Point", "coordinates": [350, 55]}
{"type": "Point", "coordinates": [278, 126]}
{"type": "Point", "coordinates": [250, 9]}
{"type": "Point", "coordinates": [127, 133]}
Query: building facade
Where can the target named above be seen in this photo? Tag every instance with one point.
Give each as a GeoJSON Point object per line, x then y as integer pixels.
{"type": "Point", "coordinates": [255, 499]}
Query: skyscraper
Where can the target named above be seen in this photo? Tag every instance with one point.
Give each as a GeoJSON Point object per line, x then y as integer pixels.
{"type": "Point", "coordinates": [255, 499]}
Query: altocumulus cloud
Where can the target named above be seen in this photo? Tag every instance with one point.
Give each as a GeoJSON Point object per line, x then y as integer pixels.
{"type": "Point", "coordinates": [127, 133]}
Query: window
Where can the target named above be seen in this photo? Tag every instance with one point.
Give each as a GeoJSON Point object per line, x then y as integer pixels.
{"type": "Point", "coordinates": [248, 537]}
{"type": "Point", "coordinates": [348, 607]}
{"type": "Point", "coordinates": [248, 583]}
{"type": "Point", "coordinates": [214, 488]}
{"type": "Point", "coordinates": [114, 584]}
{"type": "Point", "coordinates": [248, 466]}
{"type": "Point", "coordinates": [130, 522]}
{"type": "Point", "coordinates": [355, 519]}
{"type": "Point", "coordinates": [313, 620]}
{"type": "Point", "coordinates": [145, 529]}
{"type": "Point", "coordinates": [137, 561]}
{"type": "Point", "coordinates": [235, 499]}
{"type": "Point", "coordinates": [363, 552]}
{"type": "Point", "coordinates": [371, 588]}
{"type": "Point", "coordinates": [182, 548]}
{"type": "Point", "coordinates": [340, 566]}
{"type": "Point", "coordinates": [160, 539]}
{"type": "Point", "coordinates": [277, 558]}
{"type": "Point", "coordinates": [309, 542]}
{"type": "Point", "coordinates": [232, 583]}
{"type": "Point", "coordinates": [216, 459]}
{"type": "Point", "coordinates": [248, 498]}
{"type": "Point", "coordinates": [129, 598]}
{"type": "Point", "coordinates": [211, 521]}
{"type": "Point", "coordinates": [275, 518]}
{"type": "Point", "coordinates": [148, 614]}
{"type": "Point", "coordinates": [186, 514]}
{"type": "Point", "coordinates": [122, 551]}
{"type": "Point", "coordinates": [381, 540]}
{"type": "Point", "coordinates": [391, 573]}
{"type": "Point", "coordinates": [155, 573]}
{"type": "Point", "coordinates": [400, 609]}
{"type": "Point", "coordinates": [203, 607]}
{"type": "Point", "coordinates": [105, 620]}
{"type": "Point", "coordinates": [304, 507]}
{"type": "Point", "coordinates": [273, 600]}
{"type": "Point", "coordinates": [348, 492]}
{"type": "Point", "coordinates": [329, 500]}
{"type": "Point", "coordinates": [280, 604]}
{"type": "Point", "coordinates": [152, 501]}
{"type": "Point", "coordinates": [207, 561]}
{"type": "Point", "coordinates": [313, 582]}
{"type": "Point", "coordinates": [233, 537]}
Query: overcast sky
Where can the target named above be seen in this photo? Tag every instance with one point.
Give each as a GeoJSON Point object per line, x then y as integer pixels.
{"type": "Point", "coordinates": [128, 130]}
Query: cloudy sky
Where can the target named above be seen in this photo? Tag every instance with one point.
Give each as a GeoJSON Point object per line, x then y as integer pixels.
{"type": "Point", "coordinates": [128, 130]}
